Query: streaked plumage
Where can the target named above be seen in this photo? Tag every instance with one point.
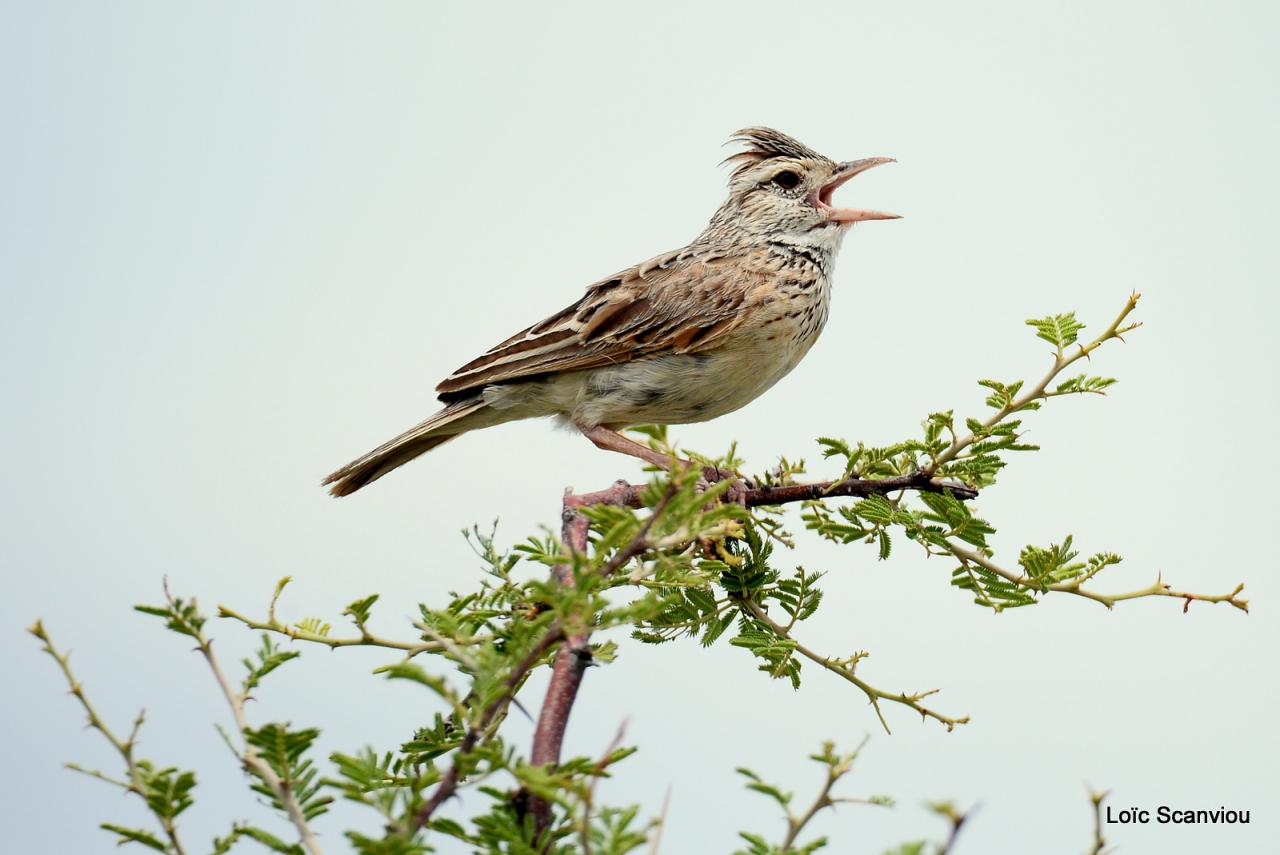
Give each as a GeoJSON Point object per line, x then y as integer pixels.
{"type": "Point", "coordinates": [684, 337]}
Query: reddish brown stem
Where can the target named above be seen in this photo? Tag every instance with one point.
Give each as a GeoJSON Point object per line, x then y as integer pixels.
{"type": "Point", "coordinates": [449, 783]}
{"type": "Point", "coordinates": [574, 656]}
{"type": "Point", "coordinates": [571, 661]}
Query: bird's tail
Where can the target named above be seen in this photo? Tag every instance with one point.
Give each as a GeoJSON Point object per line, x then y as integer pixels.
{"type": "Point", "coordinates": [437, 430]}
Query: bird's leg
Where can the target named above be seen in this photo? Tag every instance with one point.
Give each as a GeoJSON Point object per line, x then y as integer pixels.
{"type": "Point", "coordinates": [611, 440]}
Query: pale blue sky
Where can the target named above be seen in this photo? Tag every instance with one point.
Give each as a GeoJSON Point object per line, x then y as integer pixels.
{"type": "Point", "coordinates": [242, 242]}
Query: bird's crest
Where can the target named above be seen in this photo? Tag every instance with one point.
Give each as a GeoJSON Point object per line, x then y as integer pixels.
{"type": "Point", "coordinates": [763, 144]}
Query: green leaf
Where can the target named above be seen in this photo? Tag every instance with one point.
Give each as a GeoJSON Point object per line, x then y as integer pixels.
{"type": "Point", "coordinates": [1058, 330]}
{"type": "Point", "coordinates": [314, 626]}
{"type": "Point", "coordinates": [275, 844]}
{"type": "Point", "coordinates": [134, 835]}
{"type": "Point", "coordinates": [269, 658]}
{"type": "Point", "coordinates": [359, 610]}
{"type": "Point", "coordinates": [989, 589]}
{"type": "Point", "coordinates": [167, 790]}
{"type": "Point", "coordinates": [1084, 385]}
{"type": "Point", "coordinates": [181, 616]}
{"type": "Point", "coordinates": [1002, 394]}
{"type": "Point", "coordinates": [283, 751]}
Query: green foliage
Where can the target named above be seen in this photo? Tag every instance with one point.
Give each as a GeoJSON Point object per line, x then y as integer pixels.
{"type": "Point", "coordinates": [836, 767]}
{"type": "Point", "coordinates": [266, 838]}
{"type": "Point", "coordinates": [166, 791]}
{"type": "Point", "coordinates": [180, 616]}
{"type": "Point", "coordinates": [283, 750]}
{"type": "Point", "coordinates": [799, 596]}
{"type": "Point", "coordinates": [1084, 385]}
{"type": "Point", "coordinates": [1054, 565]}
{"type": "Point", "coordinates": [777, 652]}
{"type": "Point", "coordinates": [359, 610]}
{"type": "Point", "coordinates": [135, 835]}
{"type": "Point", "coordinates": [1058, 330]}
{"type": "Point", "coordinates": [269, 658]}
{"type": "Point", "coordinates": [942, 524]}
{"type": "Point", "coordinates": [989, 589]}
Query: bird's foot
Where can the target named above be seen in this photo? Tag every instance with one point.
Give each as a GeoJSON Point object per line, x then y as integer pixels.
{"type": "Point", "coordinates": [737, 489]}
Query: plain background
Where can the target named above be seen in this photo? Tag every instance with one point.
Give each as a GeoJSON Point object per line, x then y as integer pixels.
{"type": "Point", "coordinates": [242, 242]}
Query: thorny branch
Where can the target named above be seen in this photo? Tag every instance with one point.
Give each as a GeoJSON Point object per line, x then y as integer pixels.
{"type": "Point", "coordinates": [630, 495]}
{"type": "Point", "coordinates": [248, 754]}
{"type": "Point", "coordinates": [124, 747]}
{"type": "Point", "coordinates": [572, 658]}
{"type": "Point", "coordinates": [574, 655]}
{"type": "Point", "coordinates": [411, 648]}
{"type": "Point", "coordinates": [837, 768]}
{"type": "Point", "coordinates": [1156, 589]}
{"type": "Point", "coordinates": [1062, 359]}
{"type": "Point", "coordinates": [449, 783]}
{"type": "Point", "coordinates": [845, 670]}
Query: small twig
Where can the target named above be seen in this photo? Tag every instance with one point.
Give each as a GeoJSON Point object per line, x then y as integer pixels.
{"type": "Point", "coordinates": [101, 776]}
{"type": "Point", "coordinates": [835, 771]}
{"type": "Point", "coordinates": [449, 783]}
{"type": "Point", "coordinates": [957, 820]}
{"type": "Point", "coordinates": [1099, 843]}
{"type": "Point", "coordinates": [661, 824]}
{"type": "Point", "coordinates": [413, 648]}
{"type": "Point", "coordinates": [873, 694]}
{"type": "Point", "coordinates": [601, 765]}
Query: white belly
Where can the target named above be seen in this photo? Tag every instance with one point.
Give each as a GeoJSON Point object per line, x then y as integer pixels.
{"type": "Point", "coordinates": [684, 388]}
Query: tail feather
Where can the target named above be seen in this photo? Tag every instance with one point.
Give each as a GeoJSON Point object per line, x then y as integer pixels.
{"type": "Point", "coordinates": [437, 430]}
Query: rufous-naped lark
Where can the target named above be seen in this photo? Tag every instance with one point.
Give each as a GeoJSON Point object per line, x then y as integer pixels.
{"type": "Point", "coordinates": [684, 337]}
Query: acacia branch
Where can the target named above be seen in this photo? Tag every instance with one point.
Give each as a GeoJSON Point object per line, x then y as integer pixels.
{"type": "Point", "coordinates": [412, 648]}
{"type": "Point", "coordinates": [844, 670]}
{"type": "Point", "coordinates": [1156, 589]}
{"type": "Point", "coordinates": [632, 495]}
{"type": "Point", "coordinates": [449, 783]}
{"type": "Point", "coordinates": [124, 747]}
{"type": "Point", "coordinates": [837, 768]}
{"type": "Point", "coordinates": [249, 756]}
{"type": "Point", "coordinates": [574, 655]}
{"type": "Point", "coordinates": [1039, 392]}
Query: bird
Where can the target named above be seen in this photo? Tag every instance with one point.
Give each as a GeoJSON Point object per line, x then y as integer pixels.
{"type": "Point", "coordinates": [687, 336]}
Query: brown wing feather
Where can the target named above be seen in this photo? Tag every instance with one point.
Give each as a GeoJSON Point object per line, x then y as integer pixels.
{"type": "Point", "coordinates": [676, 302]}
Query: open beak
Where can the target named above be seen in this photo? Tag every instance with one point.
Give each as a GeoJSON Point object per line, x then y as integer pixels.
{"type": "Point", "coordinates": [821, 199]}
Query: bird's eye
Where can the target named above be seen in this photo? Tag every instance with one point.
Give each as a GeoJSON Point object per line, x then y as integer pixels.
{"type": "Point", "coordinates": [786, 179]}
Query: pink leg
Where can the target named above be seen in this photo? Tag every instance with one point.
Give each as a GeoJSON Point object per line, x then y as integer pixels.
{"type": "Point", "coordinates": [610, 440]}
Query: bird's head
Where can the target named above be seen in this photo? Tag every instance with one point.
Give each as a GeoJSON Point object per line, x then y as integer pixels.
{"type": "Point", "coordinates": [781, 189]}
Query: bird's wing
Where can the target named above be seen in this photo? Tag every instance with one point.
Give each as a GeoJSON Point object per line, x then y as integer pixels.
{"type": "Point", "coordinates": [681, 302]}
